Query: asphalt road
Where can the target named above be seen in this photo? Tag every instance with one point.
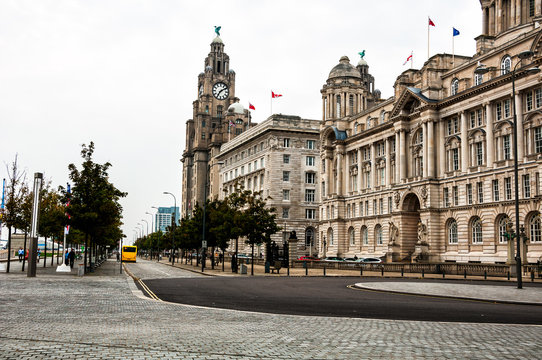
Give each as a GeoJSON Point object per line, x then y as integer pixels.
{"type": "Point", "coordinates": [319, 296]}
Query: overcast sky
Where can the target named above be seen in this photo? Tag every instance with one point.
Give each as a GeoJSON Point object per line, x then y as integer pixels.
{"type": "Point", "coordinates": [124, 73]}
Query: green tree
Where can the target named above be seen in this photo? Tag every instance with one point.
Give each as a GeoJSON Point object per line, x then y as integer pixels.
{"type": "Point", "coordinates": [94, 202]}
{"type": "Point", "coordinates": [258, 221]}
{"type": "Point", "coordinates": [15, 193]}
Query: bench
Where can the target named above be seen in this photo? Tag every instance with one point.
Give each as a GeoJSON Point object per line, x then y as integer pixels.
{"type": "Point", "coordinates": [276, 267]}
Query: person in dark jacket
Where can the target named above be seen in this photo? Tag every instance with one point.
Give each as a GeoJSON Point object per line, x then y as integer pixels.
{"type": "Point", "coordinates": [71, 256]}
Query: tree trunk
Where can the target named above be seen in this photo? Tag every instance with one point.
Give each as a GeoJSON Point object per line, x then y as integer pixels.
{"type": "Point", "coordinates": [86, 249]}
{"type": "Point", "coordinates": [252, 262]}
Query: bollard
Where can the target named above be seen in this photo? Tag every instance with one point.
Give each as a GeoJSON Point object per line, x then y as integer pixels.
{"type": "Point", "coordinates": [324, 270]}
{"type": "Point", "coordinates": [423, 273]}
{"type": "Point", "coordinates": [382, 269]}
{"type": "Point", "coordinates": [508, 274]}
{"type": "Point", "coordinates": [361, 271]}
{"type": "Point", "coordinates": [306, 271]}
{"type": "Point", "coordinates": [288, 271]}
{"type": "Point", "coordinates": [485, 274]}
{"type": "Point", "coordinates": [532, 276]}
{"type": "Point", "coordinates": [443, 274]}
{"type": "Point", "coordinates": [465, 273]}
{"type": "Point", "coordinates": [402, 271]}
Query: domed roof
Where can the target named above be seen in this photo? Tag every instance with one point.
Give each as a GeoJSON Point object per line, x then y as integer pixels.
{"type": "Point", "coordinates": [362, 62]}
{"type": "Point", "coordinates": [217, 40]}
{"type": "Point", "coordinates": [344, 68]}
{"type": "Point", "coordinates": [236, 108]}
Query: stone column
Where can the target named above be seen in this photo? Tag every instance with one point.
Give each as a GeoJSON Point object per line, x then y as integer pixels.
{"type": "Point", "coordinates": [430, 149]}
{"type": "Point", "coordinates": [359, 170]}
{"type": "Point", "coordinates": [402, 156]}
{"type": "Point", "coordinates": [490, 148]}
{"type": "Point", "coordinates": [464, 143]}
{"type": "Point", "coordinates": [519, 114]}
{"type": "Point", "coordinates": [373, 165]}
{"type": "Point", "coordinates": [347, 186]}
{"type": "Point", "coordinates": [397, 160]}
{"type": "Point", "coordinates": [442, 150]}
{"type": "Point", "coordinates": [425, 144]}
{"type": "Point", "coordinates": [340, 174]}
{"type": "Point", "coordinates": [388, 162]}
{"type": "Point", "coordinates": [324, 108]}
{"type": "Point", "coordinates": [329, 176]}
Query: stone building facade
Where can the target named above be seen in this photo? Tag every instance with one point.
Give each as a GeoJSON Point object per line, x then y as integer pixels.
{"type": "Point", "coordinates": [428, 173]}
{"type": "Point", "coordinates": [280, 158]}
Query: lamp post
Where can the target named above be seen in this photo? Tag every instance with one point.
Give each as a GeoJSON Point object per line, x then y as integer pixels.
{"type": "Point", "coordinates": [146, 222]}
{"type": "Point", "coordinates": [173, 223]}
{"type": "Point", "coordinates": [152, 228]}
{"type": "Point", "coordinates": [533, 70]}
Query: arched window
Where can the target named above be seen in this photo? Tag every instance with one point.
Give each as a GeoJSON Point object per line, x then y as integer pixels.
{"type": "Point", "coordinates": [309, 235]}
{"type": "Point", "coordinates": [355, 129]}
{"type": "Point", "coordinates": [378, 234]}
{"type": "Point", "coordinates": [352, 236]}
{"type": "Point", "coordinates": [368, 122]}
{"type": "Point", "coordinates": [364, 236]}
{"type": "Point", "coordinates": [239, 122]}
{"type": "Point", "coordinates": [476, 231]}
{"type": "Point", "coordinates": [382, 116]}
{"type": "Point", "coordinates": [338, 107]}
{"type": "Point", "coordinates": [330, 236]}
{"type": "Point", "coordinates": [535, 228]}
{"type": "Point", "coordinates": [452, 232]}
{"type": "Point", "coordinates": [350, 104]}
{"type": "Point", "coordinates": [506, 64]}
{"type": "Point", "coordinates": [455, 86]}
{"type": "Point", "coordinates": [502, 229]}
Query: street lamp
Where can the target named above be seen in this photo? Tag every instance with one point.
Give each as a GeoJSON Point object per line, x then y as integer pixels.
{"type": "Point", "coordinates": [152, 227]}
{"type": "Point", "coordinates": [157, 244]}
{"type": "Point", "coordinates": [146, 222]}
{"type": "Point", "coordinates": [173, 223]}
{"type": "Point", "coordinates": [532, 70]}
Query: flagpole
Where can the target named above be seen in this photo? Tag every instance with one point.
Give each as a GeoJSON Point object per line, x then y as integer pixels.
{"type": "Point", "coordinates": [271, 102]}
{"type": "Point", "coordinates": [411, 60]}
{"type": "Point", "coordinates": [453, 50]}
{"type": "Point", "coordinates": [428, 18]}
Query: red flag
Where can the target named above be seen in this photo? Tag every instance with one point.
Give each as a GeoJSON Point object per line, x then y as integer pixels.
{"type": "Point", "coordinates": [431, 23]}
{"type": "Point", "coordinates": [273, 95]}
{"type": "Point", "coordinates": [408, 59]}
{"type": "Point", "coordinates": [251, 107]}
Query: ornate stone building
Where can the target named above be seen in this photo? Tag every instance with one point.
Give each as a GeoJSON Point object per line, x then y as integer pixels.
{"type": "Point", "coordinates": [428, 173]}
{"type": "Point", "coordinates": [217, 117]}
{"type": "Point", "coordinates": [280, 158]}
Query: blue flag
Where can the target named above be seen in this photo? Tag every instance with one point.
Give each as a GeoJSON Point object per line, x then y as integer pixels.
{"type": "Point", "coordinates": [456, 32]}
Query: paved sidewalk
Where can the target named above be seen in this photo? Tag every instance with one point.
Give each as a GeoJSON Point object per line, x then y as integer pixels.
{"type": "Point", "coordinates": [505, 293]}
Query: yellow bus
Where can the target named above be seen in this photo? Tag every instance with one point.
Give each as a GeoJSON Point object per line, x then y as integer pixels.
{"type": "Point", "coordinates": [129, 253]}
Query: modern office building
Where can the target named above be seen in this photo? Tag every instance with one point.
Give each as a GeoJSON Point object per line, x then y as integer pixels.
{"type": "Point", "coordinates": [163, 218]}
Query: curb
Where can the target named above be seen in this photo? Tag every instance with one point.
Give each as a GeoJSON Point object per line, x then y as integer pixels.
{"type": "Point", "coordinates": [511, 302]}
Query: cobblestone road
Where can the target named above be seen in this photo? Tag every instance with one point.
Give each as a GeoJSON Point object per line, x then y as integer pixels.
{"type": "Point", "coordinates": [99, 317]}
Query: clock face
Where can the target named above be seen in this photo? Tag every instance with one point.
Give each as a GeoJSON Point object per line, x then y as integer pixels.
{"type": "Point", "coordinates": [221, 91]}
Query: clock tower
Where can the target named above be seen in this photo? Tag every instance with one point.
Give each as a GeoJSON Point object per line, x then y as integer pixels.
{"type": "Point", "coordinates": [210, 125]}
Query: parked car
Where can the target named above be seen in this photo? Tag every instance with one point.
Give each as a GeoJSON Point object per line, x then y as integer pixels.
{"type": "Point", "coordinates": [351, 259]}
{"type": "Point", "coordinates": [308, 258]}
{"type": "Point", "coordinates": [370, 260]}
{"type": "Point", "coordinates": [243, 256]}
{"type": "Point", "coordinates": [334, 259]}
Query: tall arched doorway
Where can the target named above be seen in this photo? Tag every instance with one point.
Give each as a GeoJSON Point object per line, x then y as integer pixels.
{"type": "Point", "coordinates": [410, 216]}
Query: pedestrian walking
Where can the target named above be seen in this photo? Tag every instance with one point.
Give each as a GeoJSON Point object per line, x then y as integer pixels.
{"type": "Point", "coordinates": [21, 254]}
{"type": "Point", "coordinates": [71, 256]}
{"type": "Point", "coordinates": [39, 255]}
{"type": "Point", "coordinates": [118, 256]}
{"type": "Point", "coordinates": [66, 258]}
